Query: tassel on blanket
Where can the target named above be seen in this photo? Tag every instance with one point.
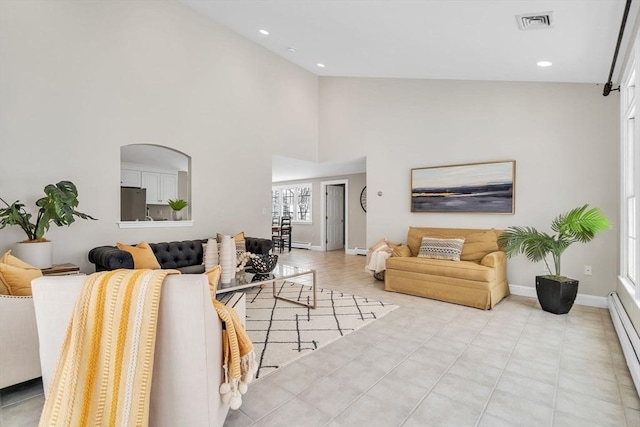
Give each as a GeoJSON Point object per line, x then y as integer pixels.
{"type": "Point", "coordinates": [239, 359]}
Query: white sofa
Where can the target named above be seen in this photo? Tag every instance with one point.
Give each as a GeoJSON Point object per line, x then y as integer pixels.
{"type": "Point", "coordinates": [19, 357]}
{"type": "Point", "coordinates": [187, 370]}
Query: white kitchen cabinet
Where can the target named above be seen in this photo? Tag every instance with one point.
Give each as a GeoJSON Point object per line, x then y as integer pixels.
{"type": "Point", "coordinates": [168, 186]}
{"type": "Point", "coordinates": [130, 178]}
{"type": "Point", "coordinates": [160, 187]}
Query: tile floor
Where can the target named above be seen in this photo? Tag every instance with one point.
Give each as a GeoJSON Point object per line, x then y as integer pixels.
{"type": "Point", "coordinates": [430, 363]}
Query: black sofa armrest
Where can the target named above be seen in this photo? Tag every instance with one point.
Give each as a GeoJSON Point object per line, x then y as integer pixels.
{"type": "Point", "coordinates": [257, 245]}
{"type": "Point", "coordinates": [110, 258]}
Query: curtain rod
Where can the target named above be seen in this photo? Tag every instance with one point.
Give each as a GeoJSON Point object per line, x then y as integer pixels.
{"type": "Point", "coordinates": [608, 86]}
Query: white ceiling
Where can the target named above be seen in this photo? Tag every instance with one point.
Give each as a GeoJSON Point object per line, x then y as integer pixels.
{"type": "Point", "coordinates": [287, 169]}
{"type": "Point", "coordinates": [428, 39]}
{"type": "Point", "coordinates": [432, 39]}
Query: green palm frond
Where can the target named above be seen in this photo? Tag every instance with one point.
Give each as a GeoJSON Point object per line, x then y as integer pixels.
{"type": "Point", "coordinates": [578, 225]}
{"type": "Point", "coordinates": [581, 224]}
{"type": "Point", "coordinates": [526, 240]}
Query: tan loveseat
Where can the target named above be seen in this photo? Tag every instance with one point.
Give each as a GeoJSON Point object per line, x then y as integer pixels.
{"type": "Point", "coordinates": [478, 280]}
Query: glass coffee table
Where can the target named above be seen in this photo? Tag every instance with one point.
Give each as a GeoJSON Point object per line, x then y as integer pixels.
{"type": "Point", "coordinates": [243, 280]}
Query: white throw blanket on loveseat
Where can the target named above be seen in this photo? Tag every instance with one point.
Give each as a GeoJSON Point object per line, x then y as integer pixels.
{"type": "Point", "coordinates": [378, 255]}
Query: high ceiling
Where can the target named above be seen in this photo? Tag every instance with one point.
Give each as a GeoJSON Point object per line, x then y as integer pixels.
{"type": "Point", "coordinates": [432, 39]}
{"type": "Point", "coordinates": [427, 39]}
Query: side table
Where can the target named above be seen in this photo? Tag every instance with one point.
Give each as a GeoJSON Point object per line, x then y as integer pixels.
{"type": "Point", "coordinates": [65, 269]}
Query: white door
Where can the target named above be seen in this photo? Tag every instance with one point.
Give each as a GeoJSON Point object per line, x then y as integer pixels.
{"type": "Point", "coordinates": [335, 217]}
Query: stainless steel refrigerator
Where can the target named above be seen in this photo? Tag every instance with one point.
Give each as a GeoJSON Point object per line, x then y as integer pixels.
{"type": "Point", "coordinates": [133, 204]}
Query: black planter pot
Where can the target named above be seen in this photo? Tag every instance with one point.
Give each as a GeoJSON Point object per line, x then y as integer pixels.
{"type": "Point", "coordinates": [556, 296]}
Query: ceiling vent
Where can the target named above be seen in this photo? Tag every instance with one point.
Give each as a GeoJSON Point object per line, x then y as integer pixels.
{"type": "Point", "coordinates": [534, 21]}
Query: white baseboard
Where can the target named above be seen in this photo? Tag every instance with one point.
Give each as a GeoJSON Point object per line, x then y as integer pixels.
{"type": "Point", "coordinates": [301, 245]}
{"type": "Point", "coordinates": [581, 299]}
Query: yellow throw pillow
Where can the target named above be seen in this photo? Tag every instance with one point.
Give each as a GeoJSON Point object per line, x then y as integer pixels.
{"type": "Point", "coordinates": [477, 245]}
{"type": "Point", "coordinates": [213, 276]}
{"type": "Point", "coordinates": [239, 237]}
{"type": "Point", "coordinates": [142, 254]}
{"type": "Point", "coordinates": [4, 286]}
{"type": "Point", "coordinates": [18, 280]}
{"type": "Point", "coordinates": [9, 259]}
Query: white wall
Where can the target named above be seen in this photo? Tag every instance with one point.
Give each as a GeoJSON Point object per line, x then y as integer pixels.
{"type": "Point", "coordinates": [562, 136]}
{"type": "Point", "coordinates": [80, 79]}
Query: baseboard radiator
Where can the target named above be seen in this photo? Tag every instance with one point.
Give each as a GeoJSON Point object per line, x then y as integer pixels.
{"type": "Point", "coordinates": [628, 336]}
{"type": "Point", "coordinates": [360, 251]}
{"type": "Point", "coordinates": [301, 245]}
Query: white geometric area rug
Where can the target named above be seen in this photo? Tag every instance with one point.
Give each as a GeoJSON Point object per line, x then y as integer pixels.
{"type": "Point", "coordinates": [282, 332]}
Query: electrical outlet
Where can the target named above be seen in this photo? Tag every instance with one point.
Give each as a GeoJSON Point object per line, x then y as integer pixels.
{"type": "Point", "coordinates": [587, 270]}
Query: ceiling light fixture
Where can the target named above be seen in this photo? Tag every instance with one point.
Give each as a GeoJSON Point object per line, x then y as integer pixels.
{"type": "Point", "coordinates": [544, 63]}
{"type": "Point", "coordinates": [320, 65]}
{"type": "Point", "coordinates": [264, 32]}
{"type": "Point", "coordinates": [292, 49]}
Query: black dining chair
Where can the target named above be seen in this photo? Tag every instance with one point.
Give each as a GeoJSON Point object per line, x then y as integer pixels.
{"type": "Point", "coordinates": [275, 233]}
{"type": "Point", "coordinates": [285, 232]}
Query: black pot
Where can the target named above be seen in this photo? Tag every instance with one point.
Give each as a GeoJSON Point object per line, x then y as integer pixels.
{"type": "Point", "coordinates": [556, 296]}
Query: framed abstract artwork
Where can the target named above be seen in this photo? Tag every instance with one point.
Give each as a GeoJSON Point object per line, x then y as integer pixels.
{"type": "Point", "coordinates": [472, 187]}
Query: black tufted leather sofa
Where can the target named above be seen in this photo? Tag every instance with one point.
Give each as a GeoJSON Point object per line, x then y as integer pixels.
{"type": "Point", "coordinates": [185, 256]}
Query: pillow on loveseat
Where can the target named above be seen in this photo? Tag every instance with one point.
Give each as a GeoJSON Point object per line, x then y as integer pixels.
{"type": "Point", "coordinates": [441, 248]}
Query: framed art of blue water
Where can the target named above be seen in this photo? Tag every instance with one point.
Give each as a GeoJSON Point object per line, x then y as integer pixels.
{"type": "Point", "coordinates": [473, 187]}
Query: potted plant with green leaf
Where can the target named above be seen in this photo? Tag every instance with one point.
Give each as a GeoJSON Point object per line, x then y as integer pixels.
{"type": "Point", "coordinates": [177, 205]}
{"type": "Point", "coordinates": [58, 206]}
{"type": "Point", "coordinates": [556, 293]}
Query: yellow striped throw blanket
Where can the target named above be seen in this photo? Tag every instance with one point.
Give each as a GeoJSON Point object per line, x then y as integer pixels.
{"type": "Point", "coordinates": [239, 359]}
{"type": "Point", "coordinates": [103, 374]}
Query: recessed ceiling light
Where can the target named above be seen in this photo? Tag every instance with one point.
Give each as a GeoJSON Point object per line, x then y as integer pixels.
{"type": "Point", "coordinates": [544, 63]}
{"type": "Point", "coordinates": [320, 65]}
{"type": "Point", "coordinates": [264, 32]}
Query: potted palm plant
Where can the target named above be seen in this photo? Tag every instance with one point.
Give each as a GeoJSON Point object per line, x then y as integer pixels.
{"type": "Point", "coordinates": [556, 293]}
{"type": "Point", "coordinates": [177, 205]}
{"type": "Point", "coordinates": [58, 206]}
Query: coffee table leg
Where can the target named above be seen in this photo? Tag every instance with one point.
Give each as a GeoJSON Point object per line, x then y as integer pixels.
{"type": "Point", "coordinates": [313, 287]}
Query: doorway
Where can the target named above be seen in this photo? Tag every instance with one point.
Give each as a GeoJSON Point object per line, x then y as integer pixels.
{"type": "Point", "coordinates": [335, 223]}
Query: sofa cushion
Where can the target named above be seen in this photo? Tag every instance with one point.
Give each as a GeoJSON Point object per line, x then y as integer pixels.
{"type": "Point", "coordinates": [402, 250]}
{"type": "Point", "coordinates": [477, 245]}
{"type": "Point", "coordinates": [176, 255]}
{"type": "Point", "coordinates": [415, 235]}
{"type": "Point", "coordinates": [441, 248]}
{"type": "Point", "coordinates": [436, 267]}
{"type": "Point", "coordinates": [142, 254]}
